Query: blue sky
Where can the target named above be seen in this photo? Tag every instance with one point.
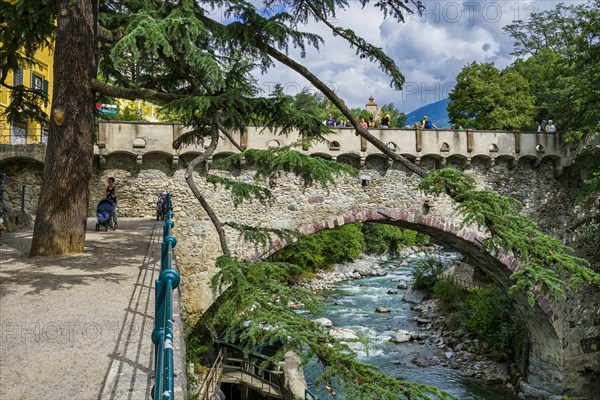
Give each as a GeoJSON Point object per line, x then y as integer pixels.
{"type": "Point", "coordinates": [430, 50]}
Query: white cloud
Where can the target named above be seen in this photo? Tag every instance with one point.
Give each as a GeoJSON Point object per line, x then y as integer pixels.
{"type": "Point", "coordinates": [429, 50]}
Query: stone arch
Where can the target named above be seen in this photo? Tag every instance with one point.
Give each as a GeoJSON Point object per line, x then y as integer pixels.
{"type": "Point", "coordinates": [378, 162]}
{"type": "Point", "coordinates": [273, 143]}
{"type": "Point", "coordinates": [546, 360]}
{"type": "Point", "coordinates": [392, 146]}
{"type": "Point", "coordinates": [334, 145]}
{"type": "Point", "coordinates": [349, 159]}
{"type": "Point", "coordinates": [29, 153]}
{"type": "Point", "coordinates": [493, 148]}
{"type": "Point", "coordinates": [431, 161]}
{"type": "Point", "coordinates": [457, 161]}
{"type": "Point", "coordinates": [506, 161]}
{"type": "Point", "coordinates": [322, 155]}
{"type": "Point", "coordinates": [160, 160]}
{"type": "Point", "coordinates": [482, 161]}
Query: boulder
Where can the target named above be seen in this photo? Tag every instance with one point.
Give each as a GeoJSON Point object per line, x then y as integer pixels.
{"type": "Point", "coordinates": [402, 286]}
{"type": "Point", "coordinates": [325, 322]}
{"type": "Point", "coordinates": [392, 291]}
{"type": "Point", "coordinates": [383, 310]}
{"type": "Point", "coordinates": [343, 334]}
{"type": "Point", "coordinates": [401, 336]}
{"type": "Point", "coordinates": [413, 296]}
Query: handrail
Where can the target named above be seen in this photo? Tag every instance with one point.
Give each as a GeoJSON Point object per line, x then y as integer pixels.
{"type": "Point", "coordinates": [308, 395]}
{"type": "Point", "coordinates": [264, 376]}
{"type": "Point", "coordinates": [162, 334]}
{"type": "Point", "coordinates": [212, 379]}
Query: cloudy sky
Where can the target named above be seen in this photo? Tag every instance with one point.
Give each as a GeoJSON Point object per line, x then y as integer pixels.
{"type": "Point", "coordinates": [429, 50]}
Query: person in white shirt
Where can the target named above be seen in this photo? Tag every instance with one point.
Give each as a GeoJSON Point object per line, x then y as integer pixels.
{"type": "Point", "coordinates": [550, 128]}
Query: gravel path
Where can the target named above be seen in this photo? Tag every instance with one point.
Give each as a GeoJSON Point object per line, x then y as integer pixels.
{"type": "Point", "coordinates": [78, 327]}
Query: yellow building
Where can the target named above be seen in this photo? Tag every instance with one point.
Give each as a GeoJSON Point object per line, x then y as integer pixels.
{"type": "Point", "coordinates": [37, 75]}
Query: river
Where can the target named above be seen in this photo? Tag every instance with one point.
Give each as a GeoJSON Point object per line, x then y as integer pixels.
{"type": "Point", "coordinates": [352, 305]}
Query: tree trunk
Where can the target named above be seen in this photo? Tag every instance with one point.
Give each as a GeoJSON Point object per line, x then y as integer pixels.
{"type": "Point", "coordinates": [61, 217]}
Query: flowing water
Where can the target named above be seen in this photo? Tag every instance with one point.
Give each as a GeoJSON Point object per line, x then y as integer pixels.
{"type": "Point", "coordinates": [352, 305]}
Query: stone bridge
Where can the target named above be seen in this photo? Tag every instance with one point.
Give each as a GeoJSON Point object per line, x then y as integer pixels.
{"type": "Point", "coordinates": [564, 337]}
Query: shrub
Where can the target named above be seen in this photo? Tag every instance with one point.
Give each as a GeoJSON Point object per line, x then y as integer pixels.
{"type": "Point", "coordinates": [427, 272]}
{"type": "Point", "coordinates": [383, 238]}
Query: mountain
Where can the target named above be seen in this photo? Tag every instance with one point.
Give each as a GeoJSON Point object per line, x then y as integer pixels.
{"type": "Point", "coordinates": [435, 111]}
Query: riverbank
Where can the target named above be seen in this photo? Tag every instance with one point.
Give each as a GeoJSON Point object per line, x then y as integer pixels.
{"type": "Point", "coordinates": [457, 350]}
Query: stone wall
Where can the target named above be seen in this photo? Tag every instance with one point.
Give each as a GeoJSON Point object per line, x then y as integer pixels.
{"type": "Point", "coordinates": [563, 358]}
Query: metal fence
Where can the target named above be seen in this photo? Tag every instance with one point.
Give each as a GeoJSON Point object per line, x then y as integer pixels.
{"type": "Point", "coordinates": [162, 335]}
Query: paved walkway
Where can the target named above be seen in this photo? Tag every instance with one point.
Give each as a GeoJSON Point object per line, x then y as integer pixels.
{"type": "Point", "coordinates": [78, 327]}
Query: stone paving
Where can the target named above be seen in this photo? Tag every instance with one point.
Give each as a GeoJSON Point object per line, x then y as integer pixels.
{"type": "Point", "coordinates": [78, 327]}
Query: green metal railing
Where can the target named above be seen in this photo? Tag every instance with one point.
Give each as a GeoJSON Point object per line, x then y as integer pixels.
{"type": "Point", "coordinates": [162, 335]}
{"type": "Point", "coordinates": [308, 395]}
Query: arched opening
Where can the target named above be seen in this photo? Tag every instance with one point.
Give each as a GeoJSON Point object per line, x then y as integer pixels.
{"type": "Point", "coordinates": [545, 351]}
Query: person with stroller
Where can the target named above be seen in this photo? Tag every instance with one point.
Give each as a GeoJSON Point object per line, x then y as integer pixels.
{"type": "Point", "coordinates": [111, 194]}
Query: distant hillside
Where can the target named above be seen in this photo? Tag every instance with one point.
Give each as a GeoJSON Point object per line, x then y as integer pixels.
{"type": "Point", "coordinates": [435, 111]}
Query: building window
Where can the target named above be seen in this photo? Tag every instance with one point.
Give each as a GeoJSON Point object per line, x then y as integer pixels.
{"type": "Point", "coordinates": [18, 77]}
{"type": "Point", "coordinates": [39, 83]}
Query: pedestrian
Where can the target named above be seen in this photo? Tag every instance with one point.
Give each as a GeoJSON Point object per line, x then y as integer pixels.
{"type": "Point", "coordinates": [371, 122]}
{"type": "Point", "coordinates": [385, 121]}
{"type": "Point", "coordinates": [542, 126]}
{"type": "Point", "coordinates": [111, 194]}
{"type": "Point", "coordinates": [329, 121]}
{"type": "Point", "coordinates": [550, 128]}
{"type": "Point", "coordinates": [427, 124]}
{"type": "Point", "coordinates": [363, 123]}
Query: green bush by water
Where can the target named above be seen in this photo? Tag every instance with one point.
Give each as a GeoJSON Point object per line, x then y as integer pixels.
{"type": "Point", "coordinates": [346, 243]}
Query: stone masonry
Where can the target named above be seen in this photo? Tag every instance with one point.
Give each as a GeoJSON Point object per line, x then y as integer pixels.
{"type": "Point", "coordinates": [564, 357]}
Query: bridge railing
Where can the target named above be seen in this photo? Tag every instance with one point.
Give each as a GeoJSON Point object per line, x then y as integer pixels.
{"type": "Point", "coordinates": [308, 395]}
{"type": "Point", "coordinates": [210, 385]}
{"type": "Point", "coordinates": [162, 335]}
{"type": "Point", "coordinates": [23, 136]}
{"type": "Point", "coordinates": [266, 379]}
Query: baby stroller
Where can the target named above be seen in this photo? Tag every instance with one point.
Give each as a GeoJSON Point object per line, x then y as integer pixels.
{"type": "Point", "coordinates": [161, 206]}
{"type": "Point", "coordinates": [104, 213]}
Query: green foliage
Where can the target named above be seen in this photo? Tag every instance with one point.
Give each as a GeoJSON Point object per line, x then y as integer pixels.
{"type": "Point", "coordinates": [254, 309]}
{"type": "Point", "coordinates": [485, 98]}
{"type": "Point", "coordinates": [241, 191]}
{"type": "Point", "coordinates": [263, 237]}
{"type": "Point", "coordinates": [324, 248]}
{"type": "Point", "coordinates": [559, 55]}
{"type": "Point", "coordinates": [397, 117]}
{"type": "Point", "coordinates": [486, 312]}
{"type": "Point", "coordinates": [383, 238]}
{"type": "Point", "coordinates": [448, 181]}
{"type": "Point", "coordinates": [544, 260]}
{"type": "Point", "coordinates": [449, 295]}
{"type": "Point", "coordinates": [427, 272]}
{"type": "Point", "coordinates": [269, 162]}
{"type": "Point", "coordinates": [130, 113]}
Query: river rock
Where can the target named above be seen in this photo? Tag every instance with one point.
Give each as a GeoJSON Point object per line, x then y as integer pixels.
{"type": "Point", "coordinates": [422, 320]}
{"type": "Point", "coordinates": [392, 291]}
{"type": "Point", "coordinates": [421, 360]}
{"type": "Point", "coordinates": [402, 286]}
{"type": "Point", "coordinates": [343, 334]}
{"type": "Point", "coordinates": [380, 272]}
{"type": "Point", "coordinates": [383, 310]}
{"type": "Point", "coordinates": [401, 336]}
{"type": "Point", "coordinates": [413, 295]}
{"type": "Point", "coordinates": [325, 322]}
